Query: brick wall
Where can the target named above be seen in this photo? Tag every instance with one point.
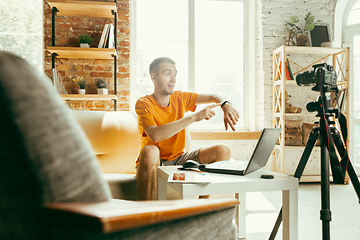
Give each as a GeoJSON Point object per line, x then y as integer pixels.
{"type": "Point", "coordinates": [272, 15]}
{"type": "Point", "coordinates": [67, 31]}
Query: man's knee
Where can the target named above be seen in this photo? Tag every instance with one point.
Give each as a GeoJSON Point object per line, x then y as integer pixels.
{"type": "Point", "coordinates": [224, 152]}
{"type": "Point", "coordinates": [149, 156]}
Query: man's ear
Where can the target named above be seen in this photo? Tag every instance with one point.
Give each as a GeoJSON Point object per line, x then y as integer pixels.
{"type": "Point", "coordinates": [152, 75]}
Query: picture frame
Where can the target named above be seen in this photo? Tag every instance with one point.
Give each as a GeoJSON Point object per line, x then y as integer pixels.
{"type": "Point", "coordinates": [319, 34]}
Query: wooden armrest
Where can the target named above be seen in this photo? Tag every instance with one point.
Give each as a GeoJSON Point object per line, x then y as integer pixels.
{"type": "Point", "coordinates": [117, 215]}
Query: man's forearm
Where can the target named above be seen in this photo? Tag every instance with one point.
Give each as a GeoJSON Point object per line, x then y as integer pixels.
{"type": "Point", "coordinates": [160, 133]}
{"type": "Point", "coordinates": [209, 98]}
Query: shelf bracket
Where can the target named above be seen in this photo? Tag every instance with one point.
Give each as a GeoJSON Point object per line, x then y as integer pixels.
{"type": "Point", "coordinates": [53, 14]}
{"type": "Point", "coordinates": [115, 75]}
{"type": "Point", "coordinates": [53, 56]}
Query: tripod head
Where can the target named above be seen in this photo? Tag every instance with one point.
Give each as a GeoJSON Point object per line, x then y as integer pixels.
{"type": "Point", "coordinates": [323, 106]}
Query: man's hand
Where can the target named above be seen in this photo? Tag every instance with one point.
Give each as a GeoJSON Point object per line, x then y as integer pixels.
{"type": "Point", "coordinates": [206, 113]}
{"type": "Point", "coordinates": [231, 116]}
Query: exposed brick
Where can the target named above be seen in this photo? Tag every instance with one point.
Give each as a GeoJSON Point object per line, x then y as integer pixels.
{"type": "Point", "coordinates": [101, 74]}
{"type": "Point", "coordinates": [124, 75]}
{"type": "Point", "coordinates": [75, 20]}
{"type": "Point", "coordinates": [99, 105]}
{"type": "Point", "coordinates": [63, 26]}
{"type": "Point", "coordinates": [123, 69]}
{"type": "Point", "coordinates": [63, 67]}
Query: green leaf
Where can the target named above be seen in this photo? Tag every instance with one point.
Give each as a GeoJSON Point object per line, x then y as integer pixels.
{"type": "Point", "coordinates": [294, 19]}
{"type": "Point", "coordinates": [310, 20]}
{"type": "Point", "coordinates": [310, 27]}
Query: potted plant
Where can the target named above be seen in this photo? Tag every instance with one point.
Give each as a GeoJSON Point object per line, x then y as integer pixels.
{"type": "Point", "coordinates": [82, 83]}
{"type": "Point", "coordinates": [85, 40]}
{"type": "Point", "coordinates": [299, 32]}
{"type": "Point", "coordinates": [101, 85]}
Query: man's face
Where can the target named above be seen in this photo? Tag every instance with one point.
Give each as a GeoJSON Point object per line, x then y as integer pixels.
{"type": "Point", "coordinates": [165, 78]}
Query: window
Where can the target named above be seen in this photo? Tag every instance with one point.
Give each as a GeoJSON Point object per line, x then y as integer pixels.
{"type": "Point", "coordinates": [21, 29]}
{"type": "Point", "coordinates": [354, 14]}
{"type": "Point", "coordinates": [206, 40]}
{"type": "Point", "coordinates": [352, 39]}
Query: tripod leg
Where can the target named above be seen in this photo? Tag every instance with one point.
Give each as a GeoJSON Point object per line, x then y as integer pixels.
{"type": "Point", "coordinates": [276, 226]}
{"type": "Point", "coordinates": [313, 137]}
{"type": "Point", "coordinates": [350, 169]}
{"type": "Point", "coordinates": [325, 213]}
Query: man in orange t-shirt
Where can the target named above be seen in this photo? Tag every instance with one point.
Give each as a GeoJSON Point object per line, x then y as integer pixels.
{"type": "Point", "coordinates": [162, 123]}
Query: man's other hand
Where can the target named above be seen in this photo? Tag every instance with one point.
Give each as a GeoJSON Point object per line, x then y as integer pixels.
{"type": "Point", "coordinates": [231, 116]}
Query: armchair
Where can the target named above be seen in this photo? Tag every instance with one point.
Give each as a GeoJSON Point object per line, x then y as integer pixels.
{"type": "Point", "coordinates": [51, 186]}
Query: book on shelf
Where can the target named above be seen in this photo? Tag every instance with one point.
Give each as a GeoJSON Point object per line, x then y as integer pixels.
{"type": "Point", "coordinates": [289, 69]}
{"type": "Point", "coordinates": [103, 35]}
{"type": "Point", "coordinates": [287, 74]}
{"type": "Point", "coordinates": [111, 37]}
{"type": "Point", "coordinates": [107, 37]}
{"type": "Point", "coordinates": [342, 99]}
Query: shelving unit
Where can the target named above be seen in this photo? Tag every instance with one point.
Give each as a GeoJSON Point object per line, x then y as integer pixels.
{"type": "Point", "coordinates": [85, 9]}
{"type": "Point", "coordinates": [337, 57]}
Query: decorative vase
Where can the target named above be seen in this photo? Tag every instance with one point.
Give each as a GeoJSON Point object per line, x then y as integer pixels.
{"type": "Point", "coordinates": [302, 40]}
{"type": "Point", "coordinates": [81, 91]}
{"type": "Point", "coordinates": [84, 45]}
{"type": "Point", "coordinates": [102, 91]}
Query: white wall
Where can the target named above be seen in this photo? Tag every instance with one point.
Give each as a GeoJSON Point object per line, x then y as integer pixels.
{"type": "Point", "coordinates": [272, 15]}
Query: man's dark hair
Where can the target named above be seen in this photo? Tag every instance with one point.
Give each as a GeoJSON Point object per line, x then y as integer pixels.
{"type": "Point", "coordinates": [154, 66]}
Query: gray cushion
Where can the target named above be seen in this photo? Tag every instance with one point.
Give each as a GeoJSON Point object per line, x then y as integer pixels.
{"type": "Point", "coordinates": [44, 154]}
{"type": "Point", "coordinates": [210, 226]}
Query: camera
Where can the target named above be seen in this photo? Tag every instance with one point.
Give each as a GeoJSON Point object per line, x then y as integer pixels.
{"type": "Point", "coordinates": [323, 77]}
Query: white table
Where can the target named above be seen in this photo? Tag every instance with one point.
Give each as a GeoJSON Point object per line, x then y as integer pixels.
{"type": "Point", "coordinates": [240, 185]}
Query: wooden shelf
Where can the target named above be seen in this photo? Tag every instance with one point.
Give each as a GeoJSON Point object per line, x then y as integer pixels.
{"type": "Point", "coordinates": [310, 50]}
{"type": "Point", "coordinates": [287, 82]}
{"type": "Point", "coordinates": [83, 53]}
{"type": "Point", "coordinates": [293, 82]}
{"type": "Point", "coordinates": [89, 97]}
{"type": "Point", "coordinates": [304, 114]}
{"type": "Point", "coordinates": [278, 147]}
{"type": "Point", "coordinates": [84, 8]}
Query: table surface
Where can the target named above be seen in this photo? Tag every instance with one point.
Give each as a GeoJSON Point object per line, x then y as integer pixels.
{"type": "Point", "coordinates": [240, 185]}
{"type": "Point", "coordinates": [225, 183]}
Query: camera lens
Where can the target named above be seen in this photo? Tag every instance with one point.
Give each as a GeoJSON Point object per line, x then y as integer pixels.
{"type": "Point", "coordinates": [305, 78]}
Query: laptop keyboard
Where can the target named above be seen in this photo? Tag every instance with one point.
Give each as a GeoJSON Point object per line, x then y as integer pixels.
{"type": "Point", "coordinates": [229, 164]}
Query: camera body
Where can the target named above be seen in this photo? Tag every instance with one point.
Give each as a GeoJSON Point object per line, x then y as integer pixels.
{"type": "Point", "coordinates": [323, 77]}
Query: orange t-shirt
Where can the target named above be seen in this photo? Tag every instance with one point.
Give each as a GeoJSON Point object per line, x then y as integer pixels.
{"type": "Point", "coordinates": [151, 113]}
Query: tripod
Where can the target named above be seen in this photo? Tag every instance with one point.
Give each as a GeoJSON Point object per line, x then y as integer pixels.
{"type": "Point", "coordinates": [328, 135]}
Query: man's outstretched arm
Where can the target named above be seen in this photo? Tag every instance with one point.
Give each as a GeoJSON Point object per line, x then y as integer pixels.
{"type": "Point", "coordinates": [160, 133]}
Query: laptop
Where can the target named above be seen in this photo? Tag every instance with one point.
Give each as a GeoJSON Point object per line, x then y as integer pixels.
{"type": "Point", "coordinates": [259, 158]}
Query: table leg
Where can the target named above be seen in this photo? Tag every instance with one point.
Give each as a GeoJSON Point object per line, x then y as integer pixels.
{"type": "Point", "coordinates": [162, 189]}
{"type": "Point", "coordinates": [290, 215]}
{"type": "Point", "coordinates": [240, 217]}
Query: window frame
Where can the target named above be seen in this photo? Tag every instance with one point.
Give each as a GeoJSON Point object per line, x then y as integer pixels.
{"type": "Point", "coordinates": [250, 76]}
{"type": "Point", "coordinates": [346, 32]}
{"type": "Point", "coordinates": [40, 65]}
